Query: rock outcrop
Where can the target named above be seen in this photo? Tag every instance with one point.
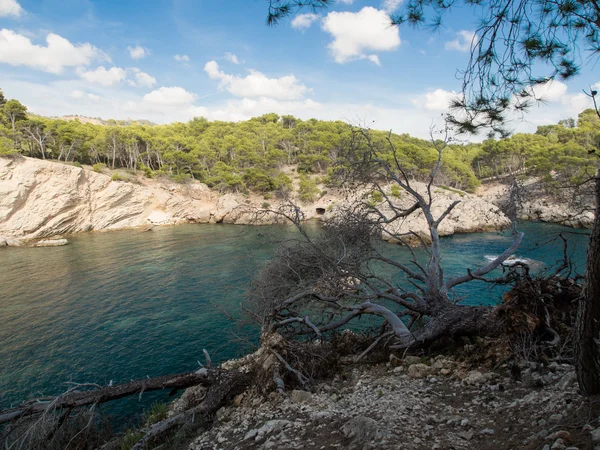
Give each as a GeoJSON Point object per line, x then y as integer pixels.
{"type": "Point", "coordinates": [51, 243]}
{"type": "Point", "coordinates": [39, 199]}
{"type": "Point", "coordinates": [535, 204]}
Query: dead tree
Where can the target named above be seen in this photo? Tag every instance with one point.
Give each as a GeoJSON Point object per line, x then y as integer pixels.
{"type": "Point", "coordinates": [320, 284]}
{"type": "Point", "coordinates": [221, 386]}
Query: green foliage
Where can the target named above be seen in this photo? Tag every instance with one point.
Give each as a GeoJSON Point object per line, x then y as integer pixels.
{"type": "Point", "coordinates": [375, 198]}
{"type": "Point", "coordinates": [308, 190]}
{"type": "Point", "coordinates": [158, 412]}
{"type": "Point", "coordinates": [251, 155]}
{"type": "Point", "coordinates": [396, 191]}
{"type": "Point", "coordinates": [6, 147]}
{"type": "Point", "coordinates": [559, 154]}
{"type": "Point", "coordinates": [119, 177]}
{"type": "Point", "coordinates": [181, 178]}
{"type": "Point", "coordinates": [14, 111]}
{"type": "Point", "coordinates": [99, 167]}
{"type": "Point", "coordinates": [131, 438]}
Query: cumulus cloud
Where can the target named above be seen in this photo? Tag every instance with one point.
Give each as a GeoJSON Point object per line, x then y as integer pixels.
{"type": "Point", "coordinates": [138, 52]}
{"type": "Point", "coordinates": [391, 5]}
{"type": "Point", "coordinates": [463, 41]}
{"type": "Point", "coordinates": [170, 97]}
{"type": "Point", "coordinates": [304, 21]}
{"type": "Point", "coordinates": [80, 95]}
{"type": "Point", "coordinates": [10, 8]}
{"type": "Point", "coordinates": [256, 84]}
{"type": "Point", "coordinates": [103, 76]}
{"type": "Point", "coordinates": [357, 35]}
{"type": "Point", "coordinates": [182, 58]}
{"type": "Point", "coordinates": [436, 100]}
{"type": "Point", "coordinates": [140, 78]}
{"type": "Point", "coordinates": [232, 58]}
{"type": "Point", "coordinates": [18, 50]}
{"type": "Point", "coordinates": [550, 91]}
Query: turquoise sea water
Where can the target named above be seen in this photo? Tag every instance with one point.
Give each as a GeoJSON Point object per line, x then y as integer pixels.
{"type": "Point", "coordinates": [129, 304]}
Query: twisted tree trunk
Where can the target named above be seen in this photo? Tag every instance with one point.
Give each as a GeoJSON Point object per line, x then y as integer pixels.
{"type": "Point", "coordinates": [588, 313]}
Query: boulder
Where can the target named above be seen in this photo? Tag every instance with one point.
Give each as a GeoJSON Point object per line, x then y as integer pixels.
{"type": "Point", "coordinates": [51, 243]}
{"type": "Point", "coordinates": [6, 241]}
{"type": "Point", "coordinates": [299, 396]}
{"type": "Point", "coordinates": [361, 429]}
{"type": "Point", "coordinates": [419, 371]}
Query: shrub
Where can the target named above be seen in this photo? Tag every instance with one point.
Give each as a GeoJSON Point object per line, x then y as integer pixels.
{"type": "Point", "coordinates": [158, 412]}
{"type": "Point", "coordinates": [375, 198]}
{"type": "Point", "coordinates": [131, 438]}
{"type": "Point", "coordinates": [118, 177]}
{"type": "Point", "coordinates": [148, 172]}
{"type": "Point", "coordinates": [266, 205]}
{"type": "Point", "coordinates": [99, 167]}
{"type": "Point", "coordinates": [308, 189]}
{"type": "Point", "coordinates": [181, 177]}
{"type": "Point", "coordinates": [396, 191]}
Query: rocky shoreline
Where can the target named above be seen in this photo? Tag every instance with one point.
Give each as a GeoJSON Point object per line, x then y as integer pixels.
{"type": "Point", "coordinates": [416, 403]}
{"type": "Point", "coordinates": [41, 199]}
{"type": "Point", "coordinates": [535, 204]}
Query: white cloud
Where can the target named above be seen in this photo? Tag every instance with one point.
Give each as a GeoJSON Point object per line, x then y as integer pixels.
{"type": "Point", "coordinates": [356, 35]}
{"type": "Point", "coordinates": [138, 52]}
{"type": "Point", "coordinates": [10, 8]}
{"type": "Point", "coordinates": [462, 43]}
{"type": "Point", "coordinates": [103, 76]}
{"type": "Point", "coordinates": [304, 21]}
{"type": "Point", "coordinates": [80, 95]}
{"type": "Point", "coordinates": [141, 78]}
{"type": "Point", "coordinates": [550, 91]}
{"type": "Point", "coordinates": [170, 97]}
{"type": "Point", "coordinates": [257, 84]}
{"type": "Point", "coordinates": [436, 100]}
{"type": "Point", "coordinates": [232, 58]}
{"type": "Point", "coordinates": [182, 58]}
{"type": "Point", "coordinates": [391, 5]}
{"type": "Point", "coordinates": [18, 50]}
{"type": "Point", "coordinates": [374, 59]}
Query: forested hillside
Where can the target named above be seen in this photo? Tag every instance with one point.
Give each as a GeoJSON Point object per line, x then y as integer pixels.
{"type": "Point", "coordinates": [251, 155]}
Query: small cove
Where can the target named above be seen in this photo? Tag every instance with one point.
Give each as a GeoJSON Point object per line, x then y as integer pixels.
{"type": "Point", "coordinates": [129, 304]}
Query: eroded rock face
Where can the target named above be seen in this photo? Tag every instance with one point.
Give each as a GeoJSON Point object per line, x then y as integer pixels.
{"type": "Point", "coordinates": [536, 204]}
{"type": "Point", "coordinates": [39, 199]}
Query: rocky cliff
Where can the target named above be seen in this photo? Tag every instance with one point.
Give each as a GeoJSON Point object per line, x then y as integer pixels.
{"type": "Point", "coordinates": [40, 198]}
{"type": "Point", "coordinates": [533, 202]}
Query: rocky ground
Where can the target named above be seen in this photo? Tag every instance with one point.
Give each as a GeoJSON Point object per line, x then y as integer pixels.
{"type": "Point", "coordinates": [416, 404]}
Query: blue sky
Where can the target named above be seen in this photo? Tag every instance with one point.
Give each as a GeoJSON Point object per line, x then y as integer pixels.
{"type": "Point", "coordinates": [169, 60]}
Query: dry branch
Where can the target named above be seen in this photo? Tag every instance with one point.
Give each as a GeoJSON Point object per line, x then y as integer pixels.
{"type": "Point", "coordinates": [76, 399]}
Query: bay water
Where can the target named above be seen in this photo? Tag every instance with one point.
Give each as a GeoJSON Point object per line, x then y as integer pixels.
{"type": "Point", "coordinates": [124, 305]}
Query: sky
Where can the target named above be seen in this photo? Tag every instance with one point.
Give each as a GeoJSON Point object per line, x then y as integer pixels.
{"type": "Point", "coordinates": [172, 60]}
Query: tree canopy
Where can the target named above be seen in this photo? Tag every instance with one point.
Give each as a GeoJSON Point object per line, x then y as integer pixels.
{"type": "Point", "coordinates": [258, 154]}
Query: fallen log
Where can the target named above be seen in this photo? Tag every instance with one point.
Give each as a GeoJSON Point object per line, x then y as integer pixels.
{"type": "Point", "coordinates": [77, 398]}
{"type": "Point", "coordinates": [229, 385]}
